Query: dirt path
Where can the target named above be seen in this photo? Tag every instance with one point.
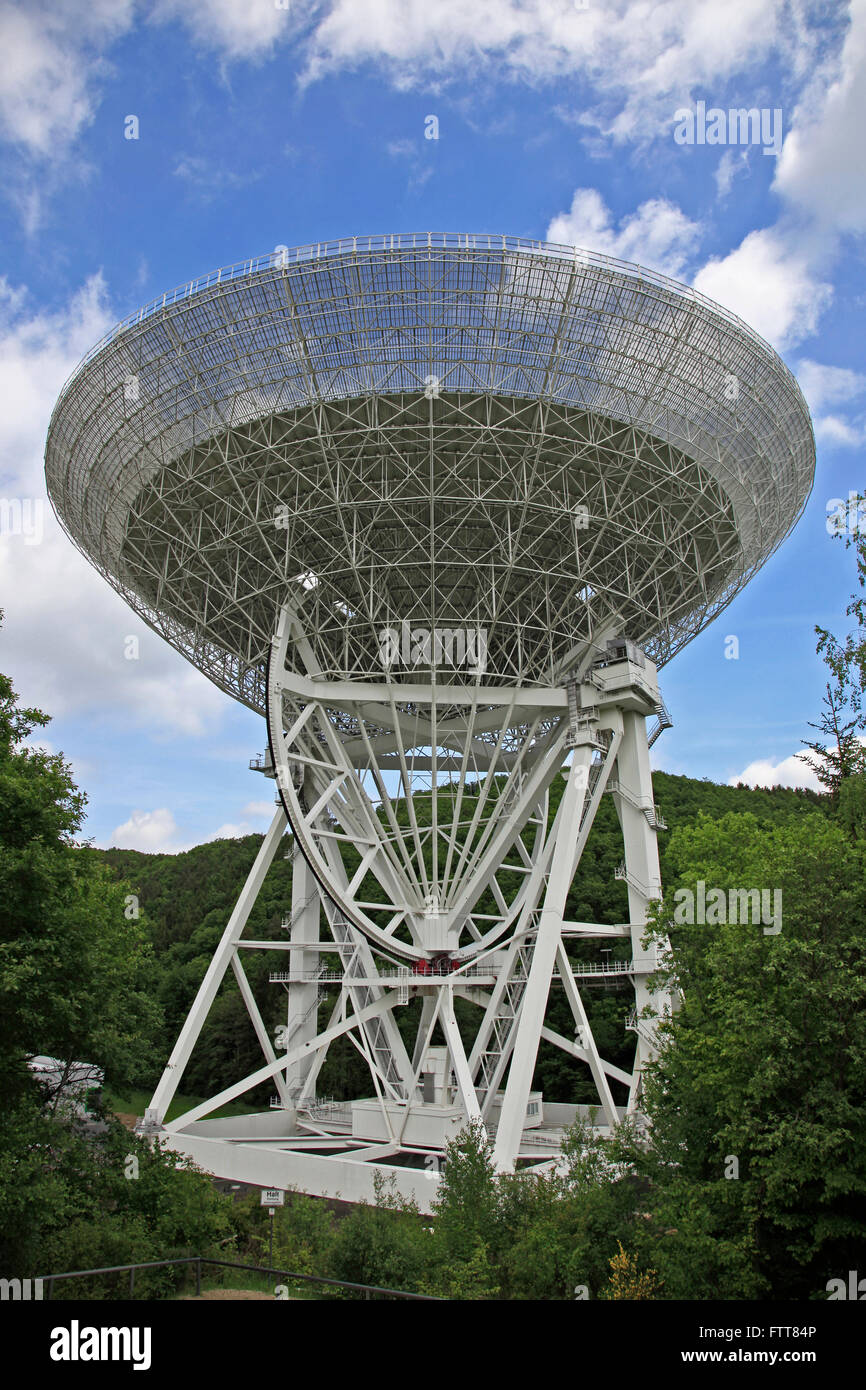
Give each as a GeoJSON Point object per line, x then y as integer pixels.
{"type": "Point", "coordinates": [225, 1294]}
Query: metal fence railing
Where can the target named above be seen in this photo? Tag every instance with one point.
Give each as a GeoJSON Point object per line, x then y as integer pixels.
{"type": "Point", "coordinates": [48, 1280]}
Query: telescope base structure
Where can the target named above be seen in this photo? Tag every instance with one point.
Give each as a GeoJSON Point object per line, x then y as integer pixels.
{"type": "Point", "coordinates": [423, 937]}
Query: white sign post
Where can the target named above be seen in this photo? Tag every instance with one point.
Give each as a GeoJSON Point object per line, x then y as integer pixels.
{"type": "Point", "coordinates": [272, 1197]}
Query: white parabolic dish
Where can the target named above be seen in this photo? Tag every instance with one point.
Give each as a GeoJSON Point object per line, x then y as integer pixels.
{"type": "Point", "coordinates": [434, 429]}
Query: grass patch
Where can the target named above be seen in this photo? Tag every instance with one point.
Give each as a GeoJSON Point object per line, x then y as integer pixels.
{"type": "Point", "coordinates": [245, 1279]}
{"type": "Point", "coordinates": [136, 1102]}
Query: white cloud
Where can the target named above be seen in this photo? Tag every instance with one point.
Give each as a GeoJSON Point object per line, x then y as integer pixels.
{"type": "Point", "coordinates": [157, 832]}
{"type": "Point", "coordinates": [244, 29]}
{"type": "Point", "coordinates": [419, 171]}
{"type": "Point", "coordinates": [211, 178]}
{"type": "Point", "coordinates": [256, 816]}
{"type": "Point", "coordinates": [732, 163]}
{"type": "Point", "coordinates": [40, 745]}
{"type": "Point", "coordinates": [767, 280]}
{"type": "Point", "coordinates": [64, 633]}
{"type": "Point", "coordinates": [39, 349]}
{"type": "Point", "coordinates": [234, 830]}
{"type": "Point", "coordinates": [823, 385]}
{"type": "Point", "coordinates": [834, 386]}
{"type": "Point", "coordinates": [153, 832]}
{"type": "Point", "coordinates": [820, 170]}
{"type": "Point", "coordinates": [640, 58]}
{"type": "Point", "coordinates": [787, 772]}
{"type": "Point", "coordinates": [639, 61]}
{"type": "Point", "coordinates": [52, 64]}
{"type": "Point", "coordinates": [658, 235]}
{"type": "Point", "coordinates": [770, 284]}
{"type": "Point", "coordinates": [834, 430]}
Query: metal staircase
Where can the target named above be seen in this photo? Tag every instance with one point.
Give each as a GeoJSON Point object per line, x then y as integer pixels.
{"type": "Point", "coordinates": [633, 1024]}
{"type": "Point", "coordinates": [288, 922]}
{"type": "Point", "coordinates": [663, 721]}
{"type": "Point", "coordinates": [592, 780]}
{"type": "Point", "coordinates": [491, 1064]}
{"type": "Point", "coordinates": [648, 809]}
{"type": "Point", "coordinates": [622, 873]}
{"type": "Point", "coordinates": [321, 996]}
{"type": "Point", "coordinates": [353, 952]}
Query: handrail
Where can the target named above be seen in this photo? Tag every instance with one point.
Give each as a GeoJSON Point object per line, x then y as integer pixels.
{"type": "Point", "coordinates": [199, 1260]}
{"type": "Point", "coordinates": [391, 977]}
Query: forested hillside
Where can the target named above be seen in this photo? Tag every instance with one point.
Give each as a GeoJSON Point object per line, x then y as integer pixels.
{"type": "Point", "coordinates": [185, 900]}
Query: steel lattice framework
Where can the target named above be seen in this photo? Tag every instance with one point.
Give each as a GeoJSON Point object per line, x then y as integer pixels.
{"type": "Point", "coordinates": [439, 507]}
{"type": "Point", "coordinates": [425, 415]}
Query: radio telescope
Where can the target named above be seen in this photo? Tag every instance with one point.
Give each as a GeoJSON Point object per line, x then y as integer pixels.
{"type": "Point", "coordinates": [438, 507]}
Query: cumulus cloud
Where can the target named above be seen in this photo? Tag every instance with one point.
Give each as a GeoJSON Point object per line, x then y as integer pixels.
{"type": "Point", "coordinates": [152, 832]}
{"type": "Point", "coordinates": [639, 59]}
{"type": "Point", "coordinates": [770, 284]}
{"type": "Point", "coordinates": [638, 62]}
{"type": "Point", "coordinates": [816, 170]}
{"type": "Point", "coordinates": [53, 61]}
{"type": "Point", "coordinates": [658, 234]}
{"type": "Point", "coordinates": [823, 385]}
{"type": "Point", "coordinates": [765, 280]}
{"type": "Point", "coordinates": [732, 163]}
{"type": "Point", "coordinates": [238, 29]}
{"type": "Point", "coordinates": [787, 772]}
{"type": "Point", "coordinates": [833, 386]}
{"type": "Point", "coordinates": [255, 818]}
{"type": "Point", "coordinates": [157, 832]}
{"type": "Point", "coordinates": [65, 632]}
{"type": "Point", "coordinates": [834, 430]}
{"type": "Point", "coordinates": [39, 349]}
{"type": "Point", "coordinates": [234, 830]}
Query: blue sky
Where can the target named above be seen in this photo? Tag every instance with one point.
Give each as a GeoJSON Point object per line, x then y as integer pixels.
{"type": "Point", "coordinates": [260, 125]}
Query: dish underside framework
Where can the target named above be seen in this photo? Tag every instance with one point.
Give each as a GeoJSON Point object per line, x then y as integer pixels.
{"type": "Point", "coordinates": [438, 507]}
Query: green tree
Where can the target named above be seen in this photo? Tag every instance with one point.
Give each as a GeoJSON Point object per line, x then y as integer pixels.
{"type": "Point", "coordinates": [628, 1280]}
{"type": "Point", "coordinates": [73, 984]}
{"type": "Point", "coordinates": [383, 1243]}
{"type": "Point", "coordinates": [467, 1199]}
{"type": "Point", "coordinates": [838, 753]}
{"type": "Point", "coordinates": [758, 1140]}
{"type": "Point", "coordinates": [73, 966]}
{"type": "Point", "coordinates": [852, 806]}
{"type": "Point", "coordinates": [125, 1200]}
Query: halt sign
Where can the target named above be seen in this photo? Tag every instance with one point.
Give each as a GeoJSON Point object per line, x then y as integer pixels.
{"type": "Point", "coordinates": [273, 1197]}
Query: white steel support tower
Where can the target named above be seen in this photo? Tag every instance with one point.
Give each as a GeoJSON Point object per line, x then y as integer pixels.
{"type": "Point", "coordinates": [437, 507]}
{"type": "Point", "coordinates": [408, 922]}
